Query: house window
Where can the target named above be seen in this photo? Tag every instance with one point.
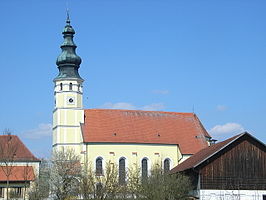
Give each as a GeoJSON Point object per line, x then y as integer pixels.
{"type": "Point", "coordinates": [61, 86]}
{"type": "Point", "coordinates": [70, 86]}
{"type": "Point", "coordinates": [122, 171]}
{"type": "Point", "coordinates": [144, 168]}
{"type": "Point", "coordinates": [99, 166]}
{"type": "Point", "coordinates": [166, 165]}
{"type": "Point", "coordinates": [264, 197]}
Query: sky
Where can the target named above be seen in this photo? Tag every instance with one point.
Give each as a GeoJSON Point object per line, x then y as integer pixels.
{"type": "Point", "coordinates": [207, 57]}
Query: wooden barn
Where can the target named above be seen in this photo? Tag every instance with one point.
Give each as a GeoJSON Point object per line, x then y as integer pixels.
{"type": "Point", "coordinates": [232, 169]}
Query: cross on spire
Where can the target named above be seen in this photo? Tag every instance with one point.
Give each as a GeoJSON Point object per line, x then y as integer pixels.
{"type": "Point", "coordinates": [68, 18]}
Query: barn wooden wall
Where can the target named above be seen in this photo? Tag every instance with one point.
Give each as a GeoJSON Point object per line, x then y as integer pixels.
{"type": "Point", "coordinates": [240, 166]}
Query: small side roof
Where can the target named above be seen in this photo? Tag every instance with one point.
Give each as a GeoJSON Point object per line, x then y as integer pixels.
{"type": "Point", "coordinates": [17, 173]}
{"type": "Point", "coordinates": [11, 147]}
{"type": "Point", "coordinates": [206, 153]}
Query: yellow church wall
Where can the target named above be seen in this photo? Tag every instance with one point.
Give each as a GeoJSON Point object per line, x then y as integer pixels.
{"type": "Point", "coordinates": [184, 157]}
{"type": "Point", "coordinates": [133, 153]}
{"type": "Point", "coordinates": [74, 117]}
{"type": "Point", "coordinates": [70, 117]}
{"type": "Point", "coordinates": [55, 122]}
{"type": "Point", "coordinates": [59, 100]}
{"type": "Point", "coordinates": [61, 96]}
{"type": "Point", "coordinates": [68, 135]}
{"type": "Point", "coordinates": [54, 136]}
{"type": "Point", "coordinates": [66, 83]}
{"type": "Point", "coordinates": [76, 148]}
{"type": "Point", "coordinates": [79, 100]}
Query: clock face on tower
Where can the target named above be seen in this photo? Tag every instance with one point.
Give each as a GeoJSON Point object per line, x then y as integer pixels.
{"type": "Point", "coordinates": [70, 100]}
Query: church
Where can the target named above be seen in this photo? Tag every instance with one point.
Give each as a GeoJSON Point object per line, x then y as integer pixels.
{"type": "Point", "coordinates": [123, 137]}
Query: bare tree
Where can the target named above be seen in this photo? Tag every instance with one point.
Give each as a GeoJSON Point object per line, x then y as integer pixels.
{"type": "Point", "coordinates": [8, 150]}
{"type": "Point", "coordinates": [87, 182]}
{"type": "Point", "coordinates": [105, 186]}
{"type": "Point", "coordinates": [41, 186]}
{"type": "Point", "coordinates": [70, 180]}
{"type": "Point", "coordinates": [134, 182]}
{"type": "Point", "coordinates": [65, 175]}
{"type": "Point", "coordinates": [159, 185]}
{"type": "Point", "coordinates": [26, 176]}
{"type": "Point", "coordinates": [163, 186]}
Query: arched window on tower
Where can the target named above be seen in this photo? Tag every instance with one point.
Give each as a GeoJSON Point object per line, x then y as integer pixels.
{"type": "Point", "coordinates": [61, 86]}
{"type": "Point", "coordinates": [122, 171]}
{"type": "Point", "coordinates": [99, 166]}
{"type": "Point", "coordinates": [144, 168]}
{"type": "Point", "coordinates": [70, 86]}
{"type": "Point", "coordinates": [166, 165]}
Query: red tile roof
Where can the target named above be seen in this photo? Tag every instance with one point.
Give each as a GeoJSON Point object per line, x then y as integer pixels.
{"type": "Point", "coordinates": [17, 173]}
{"type": "Point", "coordinates": [203, 154]}
{"type": "Point", "coordinates": [154, 127]}
{"type": "Point", "coordinates": [12, 148]}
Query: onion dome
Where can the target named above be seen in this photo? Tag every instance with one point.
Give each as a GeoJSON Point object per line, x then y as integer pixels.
{"type": "Point", "coordinates": [68, 61]}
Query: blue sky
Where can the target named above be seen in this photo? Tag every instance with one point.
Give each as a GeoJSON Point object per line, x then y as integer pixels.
{"type": "Point", "coordinates": [207, 56]}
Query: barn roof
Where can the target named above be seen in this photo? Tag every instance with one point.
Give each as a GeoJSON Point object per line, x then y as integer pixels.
{"type": "Point", "coordinates": [206, 153]}
{"type": "Point", "coordinates": [12, 148]}
{"type": "Point", "coordinates": [17, 173]}
{"type": "Point", "coordinates": [150, 127]}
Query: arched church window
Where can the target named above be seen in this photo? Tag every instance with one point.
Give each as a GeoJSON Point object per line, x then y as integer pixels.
{"type": "Point", "coordinates": [99, 166]}
{"type": "Point", "coordinates": [70, 86]}
{"type": "Point", "coordinates": [122, 171]}
{"type": "Point", "coordinates": [61, 86]}
{"type": "Point", "coordinates": [144, 168]}
{"type": "Point", "coordinates": [166, 165]}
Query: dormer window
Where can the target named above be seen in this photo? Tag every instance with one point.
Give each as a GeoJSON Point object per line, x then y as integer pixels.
{"type": "Point", "coordinates": [70, 86]}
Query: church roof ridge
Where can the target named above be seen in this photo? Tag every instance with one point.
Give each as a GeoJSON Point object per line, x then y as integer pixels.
{"type": "Point", "coordinates": [148, 111]}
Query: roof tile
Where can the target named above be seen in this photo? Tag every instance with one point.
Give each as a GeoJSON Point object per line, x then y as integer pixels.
{"type": "Point", "coordinates": [17, 173]}
{"type": "Point", "coordinates": [136, 126]}
{"type": "Point", "coordinates": [12, 148]}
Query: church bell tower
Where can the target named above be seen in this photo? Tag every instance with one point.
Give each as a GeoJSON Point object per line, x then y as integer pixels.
{"type": "Point", "coordinates": [68, 113]}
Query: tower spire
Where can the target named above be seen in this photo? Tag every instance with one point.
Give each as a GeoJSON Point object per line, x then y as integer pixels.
{"type": "Point", "coordinates": [68, 114]}
{"type": "Point", "coordinates": [68, 61]}
{"type": "Point", "coordinates": [68, 18]}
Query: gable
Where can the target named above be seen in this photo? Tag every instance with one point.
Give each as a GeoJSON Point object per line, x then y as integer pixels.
{"type": "Point", "coordinates": [207, 155]}
{"type": "Point", "coordinates": [241, 164]}
{"type": "Point", "coordinates": [236, 163]}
